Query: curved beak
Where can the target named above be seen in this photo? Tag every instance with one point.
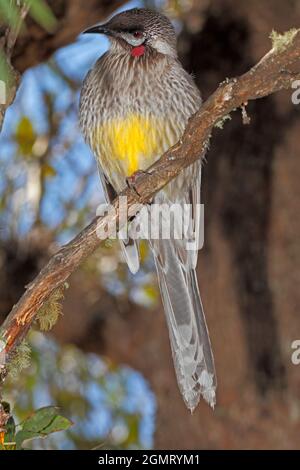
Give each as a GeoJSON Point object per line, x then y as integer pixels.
{"type": "Point", "coordinates": [99, 29]}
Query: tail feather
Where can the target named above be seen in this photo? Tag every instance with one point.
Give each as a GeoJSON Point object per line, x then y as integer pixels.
{"type": "Point", "coordinates": [175, 264]}
{"type": "Point", "coordinates": [130, 250]}
{"type": "Point", "coordinates": [190, 344]}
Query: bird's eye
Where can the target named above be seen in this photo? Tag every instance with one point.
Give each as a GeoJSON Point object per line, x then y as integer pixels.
{"type": "Point", "coordinates": [137, 34]}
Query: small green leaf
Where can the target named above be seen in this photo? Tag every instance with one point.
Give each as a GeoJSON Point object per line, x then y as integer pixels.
{"type": "Point", "coordinates": [40, 419]}
{"type": "Point", "coordinates": [59, 423]}
{"type": "Point", "coordinates": [40, 424]}
{"type": "Point", "coordinates": [24, 436]}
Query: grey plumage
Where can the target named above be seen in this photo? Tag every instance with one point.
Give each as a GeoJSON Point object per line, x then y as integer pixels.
{"type": "Point", "coordinates": [155, 86]}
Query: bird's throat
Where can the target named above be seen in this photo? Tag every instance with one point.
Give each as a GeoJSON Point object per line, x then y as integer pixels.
{"type": "Point", "coordinates": [138, 51]}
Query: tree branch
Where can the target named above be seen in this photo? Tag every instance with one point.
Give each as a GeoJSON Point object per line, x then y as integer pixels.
{"type": "Point", "coordinates": [36, 45]}
{"type": "Point", "coordinates": [276, 71]}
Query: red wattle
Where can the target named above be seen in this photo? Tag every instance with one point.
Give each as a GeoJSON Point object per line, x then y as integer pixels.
{"type": "Point", "coordinates": [138, 51]}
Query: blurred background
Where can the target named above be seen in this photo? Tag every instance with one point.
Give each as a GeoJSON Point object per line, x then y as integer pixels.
{"type": "Point", "coordinates": [107, 362]}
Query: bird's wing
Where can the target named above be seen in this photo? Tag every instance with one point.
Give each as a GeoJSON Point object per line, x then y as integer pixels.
{"type": "Point", "coordinates": [188, 332]}
{"type": "Point", "coordinates": [129, 247]}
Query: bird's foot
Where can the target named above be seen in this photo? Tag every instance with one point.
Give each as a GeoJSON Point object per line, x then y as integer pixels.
{"type": "Point", "coordinates": [132, 180]}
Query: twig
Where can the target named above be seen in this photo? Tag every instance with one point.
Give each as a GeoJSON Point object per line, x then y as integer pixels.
{"type": "Point", "coordinates": [7, 44]}
{"type": "Point", "coordinates": [13, 33]}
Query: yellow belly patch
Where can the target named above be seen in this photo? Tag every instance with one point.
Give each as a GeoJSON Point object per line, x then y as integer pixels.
{"type": "Point", "coordinates": [126, 145]}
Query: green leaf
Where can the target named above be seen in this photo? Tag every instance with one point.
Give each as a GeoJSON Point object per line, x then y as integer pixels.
{"type": "Point", "coordinates": [40, 419]}
{"type": "Point", "coordinates": [59, 423]}
{"type": "Point", "coordinates": [42, 14]}
{"type": "Point", "coordinates": [24, 436]}
{"type": "Point", "coordinates": [40, 424]}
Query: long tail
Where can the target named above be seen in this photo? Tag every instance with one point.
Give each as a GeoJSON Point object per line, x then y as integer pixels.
{"type": "Point", "coordinates": [190, 343]}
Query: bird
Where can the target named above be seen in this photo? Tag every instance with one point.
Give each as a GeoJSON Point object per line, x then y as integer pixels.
{"type": "Point", "coordinates": [135, 103]}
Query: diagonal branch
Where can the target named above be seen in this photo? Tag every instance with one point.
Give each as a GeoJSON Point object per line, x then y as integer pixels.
{"type": "Point", "coordinates": [276, 71]}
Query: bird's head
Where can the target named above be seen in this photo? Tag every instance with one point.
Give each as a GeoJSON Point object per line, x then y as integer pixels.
{"type": "Point", "coordinates": [139, 31]}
